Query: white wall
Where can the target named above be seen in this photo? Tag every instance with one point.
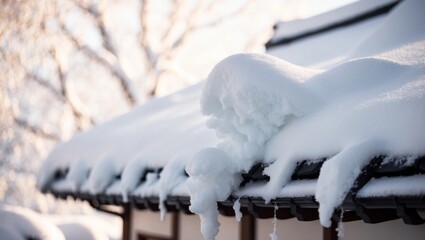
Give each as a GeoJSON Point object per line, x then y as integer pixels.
{"type": "Point", "coordinates": [190, 226]}
{"type": "Point", "coordinates": [392, 230]}
{"type": "Point", "coordinates": [296, 230]}
{"type": "Point", "coordinates": [149, 222]}
{"type": "Point", "coordinates": [292, 229]}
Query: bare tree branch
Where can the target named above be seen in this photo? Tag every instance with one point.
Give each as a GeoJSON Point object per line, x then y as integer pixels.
{"type": "Point", "coordinates": [47, 85]}
{"type": "Point", "coordinates": [170, 49]}
{"type": "Point", "coordinates": [115, 70]}
{"type": "Point", "coordinates": [81, 119]}
{"type": "Point", "coordinates": [177, 6]}
{"type": "Point", "coordinates": [150, 59]}
{"type": "Point", "coordinates": [228, 16]}
{"type": "Point", "coordinates": [98, 17]}
{"type": "Point", "coordinates": [36, 130]}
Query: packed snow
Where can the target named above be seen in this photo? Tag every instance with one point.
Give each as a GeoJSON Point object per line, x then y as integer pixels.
{"type": "Point", "coordinates": [249, 97]}
{"type": "Point", "coordinates": [212, 178]}
{"type": "Point", "coordinates": [265, 108]}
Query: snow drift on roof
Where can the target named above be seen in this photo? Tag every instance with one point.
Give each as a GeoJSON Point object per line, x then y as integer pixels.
{"type": "Point", "coordinates": [359, 109]}
{"type": "Point", "coordinates": [149, 136]}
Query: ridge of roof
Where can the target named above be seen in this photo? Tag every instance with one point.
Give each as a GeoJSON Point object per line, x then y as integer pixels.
{"type": "Point", "coordinates": [359, 17]}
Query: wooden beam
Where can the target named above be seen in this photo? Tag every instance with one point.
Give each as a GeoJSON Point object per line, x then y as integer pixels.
{"type": "Point", "coordinates": [126, 222]}
{"type": "Point", "coordinates": [247, 227]}
{"type": "Point", "coordinates": [175, 231]}
{"type": "Point", "coordinates": [330, 233]}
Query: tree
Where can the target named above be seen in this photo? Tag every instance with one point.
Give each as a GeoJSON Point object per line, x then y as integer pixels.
{"type": "Point", "coordinates": [67, 65]}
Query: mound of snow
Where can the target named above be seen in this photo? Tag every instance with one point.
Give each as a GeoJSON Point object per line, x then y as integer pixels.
{"type": "Point", "coordinates": [20, 223]}
{"type": "Point", "coordinates": [249, 97]}
{"type": "Point", "coordinates": [386, 119]}
{"type": "Point", "coordinates": [82, 230]}
{"type": "Point", "coordinates": [266, 108]}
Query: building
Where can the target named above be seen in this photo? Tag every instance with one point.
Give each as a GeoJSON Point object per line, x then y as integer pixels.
{"type": "Point", "coordinates": [349, 116]}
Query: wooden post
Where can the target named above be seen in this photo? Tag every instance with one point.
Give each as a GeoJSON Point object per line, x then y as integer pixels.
{"type": "Point", "coordinates": [126, 222]}
{"type": "Point", "coordinates": [247, 227]}
{"type": "Point", "coordinates": [331, 233]}
{"type": "Point", "coordinates": [175, 225]}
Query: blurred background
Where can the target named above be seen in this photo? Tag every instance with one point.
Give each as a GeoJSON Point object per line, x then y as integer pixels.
{"type": "Point", "coordinates": [66, 65]}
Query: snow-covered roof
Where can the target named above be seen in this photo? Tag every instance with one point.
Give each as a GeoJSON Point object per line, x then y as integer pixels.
{"type": "Point", "coordinates": [153, 136]}
{"type": "Point", "coordinates": [285, 130]}
{"type": "Point", "coordinates": [302, 41]}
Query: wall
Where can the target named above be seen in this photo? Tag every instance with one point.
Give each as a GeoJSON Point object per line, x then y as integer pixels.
{"type": "Point", "coordinates": [190, 226]}
{"type": "Point", "coordinates": [149, 222]}
{"type": "Point", "coordinates": [292, 229]}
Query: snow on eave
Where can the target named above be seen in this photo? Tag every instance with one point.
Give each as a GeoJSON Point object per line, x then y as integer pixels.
{"type": "Point", "coordinates": [92, 160]}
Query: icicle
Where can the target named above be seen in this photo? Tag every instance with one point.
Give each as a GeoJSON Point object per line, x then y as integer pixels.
{"type": "Point", "coordinates": [273, 235]}
{"type": "Point", "coordinates": [237, 208]}
{"type": "Point", "coordinates": [162, 208]}
{"type": "Point", "coordinates": [124, 195]}
{"type": "Point", "coordinates": [340, 228]}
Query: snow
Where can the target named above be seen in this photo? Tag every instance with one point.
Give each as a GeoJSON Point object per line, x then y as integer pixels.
{"type": "Point", "coordinates": [394, 186]}
{"type": "Point", "coordinates": [389, 119]}
{"type": "Point", "coordinates": [130, 143]}
{"type": "Point", "coordinates": [148, 188]}
{"type": "Point", "coordinates": [367, 100]}
{"type": "Point", "coordinates": [62, 186]}
{"type": "Point", "coordinates": [338, 174]}
{"type": "Point", "coordinates": [17, 223]}
{"type": "Point", "coordinates": [77, 231]}
{"type": "Point", "coordinates": [273, 235]}
{"type": "Point", "coordinates": [91, 226]}
{"type": "Point", "coordinates": [296, 27]}
{"type": "Point", "coordinates": [339, 43]}
{"type": "Point", "coordinates": [21, 223]}
{"type": "Point", "coordinates": [114, 189]}
{"type": "Point", "coordinates": [265, 108]}
{"type": "Point", "coordinates": [172, 176]}
{"type": "Point", "coordinates": [399, 28]}
{"type": "Point", "coordinates": [237, 208]}
{"type": "Point", "coordinates": [340, 228]}
{"type": "Point", "coordinates": [249, 97]}
{"type": "Point", "coordinates": [298, 188]}
{"type": "Point", "coordinates": [212, 178]}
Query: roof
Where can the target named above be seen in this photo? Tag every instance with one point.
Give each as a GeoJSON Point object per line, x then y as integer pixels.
{"type": "Point", "coordinates": [346, 137]}
{"type": "Point", "coordinates": [301, 41]}
{"type": "Point", "coordinates": [343, 17]}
